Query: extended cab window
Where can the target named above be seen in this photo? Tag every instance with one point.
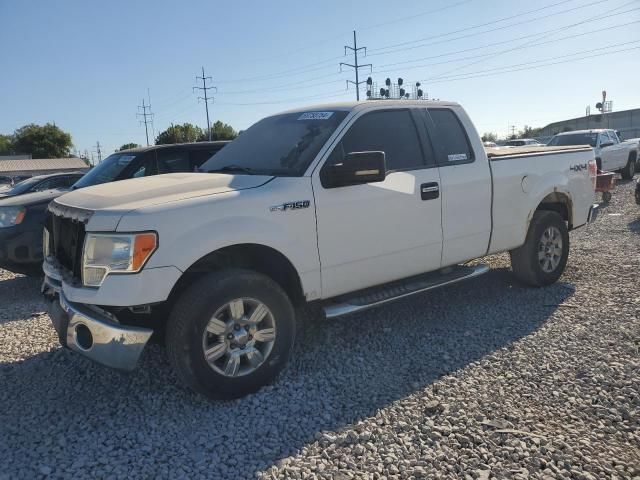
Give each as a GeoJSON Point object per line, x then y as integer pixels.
{"type": "Point", "coordinates": [450, 137]}
{"type": "Point", "coordinates": [172, 160]}
{"type": "Point", "coordinates": [390, 131]}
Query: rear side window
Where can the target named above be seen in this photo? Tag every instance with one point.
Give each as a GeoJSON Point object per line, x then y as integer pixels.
{"type": "Point", "coordinates": [450, 137]}
{"type": "Point", "coordinates": [173, 160]}
{"type": "Point", "coordinates": [390, 131]}
{"type": "Point", "coordinates": [201, 155]}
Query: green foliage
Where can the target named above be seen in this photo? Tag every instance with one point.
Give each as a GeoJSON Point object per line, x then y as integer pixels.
{"type": "Point", "coordinates": [530, 132]}
{"type": "Point", "coordinates": [219, 131]}
{"type": "Point", "coordinates": [184, 133]}
{"type": "Point", "coordinates": [41, 141]}
{"type": "Point", "coordinates": [127, 146]}
{"type": "Point", "coordinates": [5, 144]}
{"type": "Point", "coordinates": [489, 137]}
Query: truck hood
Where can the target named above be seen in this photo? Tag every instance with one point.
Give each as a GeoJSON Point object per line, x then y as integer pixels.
{"type": "Point", "coordinates": [126, 195]}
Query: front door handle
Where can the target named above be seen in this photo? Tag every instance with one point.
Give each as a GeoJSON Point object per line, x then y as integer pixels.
{"type": "Point", "coordinates": [429, 191]}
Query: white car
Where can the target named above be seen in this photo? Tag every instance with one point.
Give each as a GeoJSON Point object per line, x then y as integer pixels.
{"type": "Point", "coordinates": [612, 155]}
{"type": "Point", "coordinates": [348, 205]}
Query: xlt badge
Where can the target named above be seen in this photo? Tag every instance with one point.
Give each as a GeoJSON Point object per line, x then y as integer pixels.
{"type": "Point", "coordinates": [290, 206]}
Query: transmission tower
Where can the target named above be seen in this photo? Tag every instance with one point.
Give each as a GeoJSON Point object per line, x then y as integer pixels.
{"type": "Point", "coordinates": [356, 67]}
{"type": "Point", "coordinates": [206, 99]}
{"type": "Point", "coordinates": [144, 114]}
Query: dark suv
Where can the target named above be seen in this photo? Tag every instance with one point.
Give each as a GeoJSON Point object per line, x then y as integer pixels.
{"type": "Point", "coordinates": [22, 217]}
{"type": "Point", "coordinates": [42, 182]}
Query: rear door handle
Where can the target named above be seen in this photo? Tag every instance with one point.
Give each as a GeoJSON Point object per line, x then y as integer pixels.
{"type": "Point", "coordinates": [429, 191]}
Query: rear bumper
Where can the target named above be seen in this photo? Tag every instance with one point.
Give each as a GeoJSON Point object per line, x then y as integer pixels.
{"type": "Point", "coordinates": [593, 212]}
{"type": "Point", "coordinates": [95, 333]}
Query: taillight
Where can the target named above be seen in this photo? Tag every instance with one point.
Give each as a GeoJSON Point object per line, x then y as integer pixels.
{"type": "Point", "coordinates": [593, 172]}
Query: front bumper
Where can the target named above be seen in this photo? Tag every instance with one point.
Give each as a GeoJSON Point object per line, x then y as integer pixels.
{"type": "Point", "coordinates": [95, 333]}
{"type": "Point", "coordinates": [20, 249]}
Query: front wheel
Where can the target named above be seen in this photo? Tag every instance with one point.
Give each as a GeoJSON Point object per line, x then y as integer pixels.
{"type": "Point", "coordinates": [628, 171]}
{"type": "Point", "coordinates": [230, 333]}
{"type": "Point", "coordinates": [543, 257]}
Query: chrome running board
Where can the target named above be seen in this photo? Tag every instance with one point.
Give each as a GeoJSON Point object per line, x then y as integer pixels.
{"type": "Point", "coordinates": [374, 296]}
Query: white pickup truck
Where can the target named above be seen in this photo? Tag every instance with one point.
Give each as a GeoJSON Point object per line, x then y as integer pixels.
{"type": "Point", "coordinates": [612, 154]}
{"type": "Point", "coordinates": [348, 205]}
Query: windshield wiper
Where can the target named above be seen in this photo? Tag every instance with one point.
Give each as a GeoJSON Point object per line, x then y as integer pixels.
{"type": "Point", "coordinates": [231, 168]}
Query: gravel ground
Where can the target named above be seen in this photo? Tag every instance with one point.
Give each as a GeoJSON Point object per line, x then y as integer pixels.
{"type": "Point", "coordinates": [486, 379]}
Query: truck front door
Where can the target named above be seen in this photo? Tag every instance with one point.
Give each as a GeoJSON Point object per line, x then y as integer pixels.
{"type": "Point", "coordinates": [378, 232]}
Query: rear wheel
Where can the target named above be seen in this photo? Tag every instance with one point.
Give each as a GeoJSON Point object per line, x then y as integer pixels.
{"type": "Point", "coordinates": [543, 257]}
{"type": "Point", "coordinates": [230, 333]}
{"type": "Point", "coordinates": [628, 171]}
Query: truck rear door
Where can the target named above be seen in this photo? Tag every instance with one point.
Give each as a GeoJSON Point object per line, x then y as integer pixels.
{"type": "Point", "coordinates": [465, 184]}
{"type": "Point", "coordinates": [378, 232]}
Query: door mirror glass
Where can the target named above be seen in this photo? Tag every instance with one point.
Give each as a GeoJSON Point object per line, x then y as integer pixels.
{"type": "Point", "coordinates": [357, 168]}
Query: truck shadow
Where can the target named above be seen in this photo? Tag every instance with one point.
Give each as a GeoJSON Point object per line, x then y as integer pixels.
{"type": "Point", "coordinates": [13, 291]}
{"type": "Point", "coordinates": [342, 371]}
{"type": "Point", "coordinates": [634, 226]}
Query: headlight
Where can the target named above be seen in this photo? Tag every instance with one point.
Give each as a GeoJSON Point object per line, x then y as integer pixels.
{"type": "Point", "coordinates": [10, 216]}
{"type": "Point", "coordinates": [117, 253]}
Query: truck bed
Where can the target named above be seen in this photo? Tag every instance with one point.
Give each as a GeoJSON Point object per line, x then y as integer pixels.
{"type": "Point", "coordinates": [502, 152]}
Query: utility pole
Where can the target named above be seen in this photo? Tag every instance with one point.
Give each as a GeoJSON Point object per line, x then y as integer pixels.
{"type": "Point", "coordinates": [204, 89]}
{"type": "Point", "coordinates": [144, 115]}
{"type": "Point", "coordinates": [355, 65]}
{"type": "Point", "coordinates": [99, 152]}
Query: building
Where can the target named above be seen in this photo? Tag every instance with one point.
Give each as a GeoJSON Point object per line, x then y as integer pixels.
{"type": "Point", "coordinates": [627, 122]}
{"type": "Point", "coordinates": [40, 166]}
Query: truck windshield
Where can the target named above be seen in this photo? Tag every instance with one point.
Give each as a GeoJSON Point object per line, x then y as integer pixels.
{"type": "Point", "coordinates": [282, 145]}
{"type": "Point", "coordinates": [106, 171]}
{"type": "Point", "coordinates": [574, 139]}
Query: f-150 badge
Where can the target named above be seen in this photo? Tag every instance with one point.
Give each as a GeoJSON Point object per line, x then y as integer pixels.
{"type": "Point", "coordinates": [290, 206]}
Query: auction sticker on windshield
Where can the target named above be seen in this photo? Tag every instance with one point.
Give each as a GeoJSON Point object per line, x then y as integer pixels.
{"type": "Point", "coordinates": [315, 116]}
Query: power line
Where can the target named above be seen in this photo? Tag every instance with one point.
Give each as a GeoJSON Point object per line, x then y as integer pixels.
{"type": "Point", "coordinates": [376, 53]}
{"type": "Point", "coordinates": [205, 89]}
{"type": "Point", "coordinates": [564, 27]}
{"type": "Point", "coordinates": [144, 115]}
{"type": "Point", "coordinates": [355, 49]}
{"type": "Point", "coordinates": [582, 22]}
{"type": "Point", "coordinates": [522, 47]}
{"type": "Point", "coordinates": [510, 69]}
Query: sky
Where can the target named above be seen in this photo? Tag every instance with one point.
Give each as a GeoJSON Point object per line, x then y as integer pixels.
{"type": "Point", "coordinates": [86, 66]}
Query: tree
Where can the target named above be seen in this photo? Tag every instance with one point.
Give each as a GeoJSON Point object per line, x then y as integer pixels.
{"type": "Point", "coordinates": [219, 131]}
{"type": "Point", "coordinates": [127, 146]}
{"type": "Point", "coordinates": [42, 141]}
{"type": "Point", "coordinates": [489, 137]}
{"type": "Point", "coordinates": [530, 132]}
{"type": "Point", "coordinates": [5, 144]}
{"type": "Point", "coordinates": [184, 133]}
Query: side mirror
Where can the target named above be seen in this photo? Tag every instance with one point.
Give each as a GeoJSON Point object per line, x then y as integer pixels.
{"type": "Point", "coordinates": [357, 168]}
{"type": "Point", "coordinates": [606, 144]}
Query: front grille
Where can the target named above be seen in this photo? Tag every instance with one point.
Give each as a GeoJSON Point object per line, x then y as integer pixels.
{"type": "Point", "coordinates": [66, 232]}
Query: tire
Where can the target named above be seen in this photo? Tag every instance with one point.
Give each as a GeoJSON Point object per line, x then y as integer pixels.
{"type": "Point", "coordinates": [628, 171]}
{"type": "Point", "coordinates": [217, 294]}
{"type": "Point", "coordinates": [525, 262]}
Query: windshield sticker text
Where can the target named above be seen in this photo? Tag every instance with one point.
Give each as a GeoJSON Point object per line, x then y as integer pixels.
{"type": "Point", "coordinates": [315, 116]}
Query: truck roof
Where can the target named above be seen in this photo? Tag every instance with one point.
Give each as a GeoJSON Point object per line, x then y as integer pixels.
{"type": "Point", "coordinates": [347, 106]}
